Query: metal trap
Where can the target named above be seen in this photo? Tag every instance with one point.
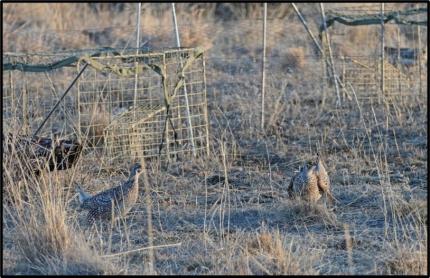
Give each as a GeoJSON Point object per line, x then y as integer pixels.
{"type": "Point", "coordinates": [125, 104]}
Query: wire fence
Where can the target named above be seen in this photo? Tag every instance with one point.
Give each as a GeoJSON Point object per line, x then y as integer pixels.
{"type": "Point", "coordinates": [105, 109]}
{"type": "Point", "coordinates": [295, 71]}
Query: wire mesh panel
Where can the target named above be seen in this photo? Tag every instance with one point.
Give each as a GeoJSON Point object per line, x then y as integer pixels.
{"type": "Point", "coordinates": [120, 103]}
{"type": "Point", "coordinates": [364, 75]}
{"type": "Point", "coordinates": [104, 94]}
{"type": "Point", "coordinates": [359, 51]}
{"type": "Point", "coordinates": [124, 100]}
{"type": "Point", "coordinates": [29, 96]}
{"type": "Point", "coordinates": [127, 137]}
{"type": "Point", "coordinates": [147, 134]}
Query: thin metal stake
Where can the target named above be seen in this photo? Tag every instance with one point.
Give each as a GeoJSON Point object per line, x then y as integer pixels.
{"type": "Point", "coordinates": [419, 55]}
{"type": "Point", "coordinates": [382, 52]}
{"type": "Point", "coordinates": [178, 42]}
{"type": "Point", "coordinates": [137, 52]}
{"type": "Point", "coordinates": [263, 79]}
{"type": "Point", "coordinates": [333, 70]}
{"type": "Point", "coordinates": [58, 102]}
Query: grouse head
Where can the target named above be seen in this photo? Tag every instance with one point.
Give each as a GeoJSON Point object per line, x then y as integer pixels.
{"type": "Point", "coordinates": [83, 196]}
{"type": "Point", "coordinates": [304, 168]}
{"type": "Point", "coordinates": [135, 170]}
{"type": "Point", "coordinates": [319, 163]}
{"type": "Point", "coordinates": [318, 157]}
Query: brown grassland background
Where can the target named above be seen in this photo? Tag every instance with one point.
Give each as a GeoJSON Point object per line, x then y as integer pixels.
{"type": "Point", "coordinates": [230, 211]}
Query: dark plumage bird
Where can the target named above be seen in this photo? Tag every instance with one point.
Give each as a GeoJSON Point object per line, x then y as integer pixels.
{"type": "Point", "coordinates": [121, 198]}
{"type": "Point", "coordinates": [58, 153]}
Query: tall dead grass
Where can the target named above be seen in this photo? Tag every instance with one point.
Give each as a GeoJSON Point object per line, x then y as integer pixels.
{"type": "Point", "coordinates": [73, 26]}
{"type": "Point", "coordinates": [406, 262]}
{"type": "Point", "coordinates": [294, 58]}
{"type": "Point", "coordinates": [271, 253]}
{"type": "Point", "coordinates": [409, 257]}
{"type": "Point", "coordinates": [43, 232]}
{"type": "Point", "coordinates": [361, 161]}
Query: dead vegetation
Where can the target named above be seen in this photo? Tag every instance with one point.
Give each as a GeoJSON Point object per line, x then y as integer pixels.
{"type": "Point", "coordinates": [405, 262]}
{"type": "Point", "coordinates": [295, 58]}
{"type": "Point", "coordinates": [229, 214]}
{"type": "Point", "coordinates": [38, 220]}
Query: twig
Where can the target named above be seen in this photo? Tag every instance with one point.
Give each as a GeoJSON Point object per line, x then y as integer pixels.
{"type": "Point", "coordinates": [141, 249]}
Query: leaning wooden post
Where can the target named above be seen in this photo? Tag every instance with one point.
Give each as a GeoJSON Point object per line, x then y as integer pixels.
{"type": "Point", "coordinates": [333, 70]}
{"type": "Point", "coordinates": [324, 76]}
{"type": "Point", "coordinates": [313, 38]}
{"type": "Point", "coordinates": [58, 102]}
{"type": "Point", "coordinates": [263, 79]}
{"type": "Point", "coordinates": [306, 27]}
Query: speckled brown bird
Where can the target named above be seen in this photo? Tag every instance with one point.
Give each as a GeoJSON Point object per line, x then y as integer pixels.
{"type": "Point", "coordinates": [323, 179]}
{"type": "Point", "coordinates": [305, 185]}
{"type": "Point", "coordinates": [121, 198]}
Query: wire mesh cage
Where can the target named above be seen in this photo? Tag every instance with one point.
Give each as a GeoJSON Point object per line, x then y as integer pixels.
{"type": "Point", "coordinates": [126, 105]}
{"type": "Point", "coordinates": [364, 75]}
{"type": "Point", "coordinates": [124, 100]}
{"type": "Point", "coordinates": [380, 62]}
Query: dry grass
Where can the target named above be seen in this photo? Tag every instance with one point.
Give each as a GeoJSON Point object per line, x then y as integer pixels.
{"type": "Point", "coordinates": [294, 58]}
{"type": "Point", "coordinates": [406, 262]}
{"type": "Point", "coordinates": [230, 212]}
{"type": "Point", "coordinates": [38, 219]}
{"type": "Point", "coordinates": [93, 124]}
{"type": "Point", "coordinates": [271, 251]}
